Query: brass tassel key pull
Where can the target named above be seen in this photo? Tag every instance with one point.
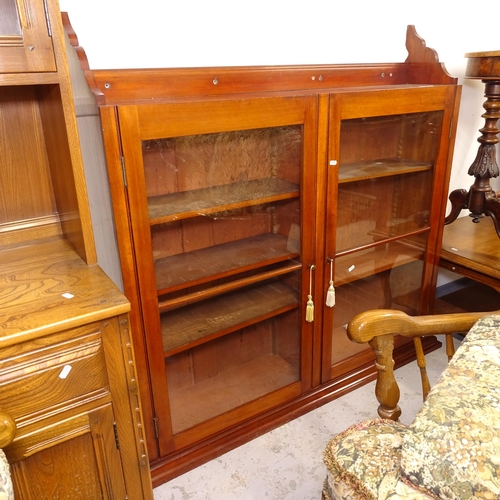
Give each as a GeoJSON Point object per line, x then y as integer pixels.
{"type": "Point", "coordinates": [310, 303]}
{"type": "Point", "coordinates": [330, 294]}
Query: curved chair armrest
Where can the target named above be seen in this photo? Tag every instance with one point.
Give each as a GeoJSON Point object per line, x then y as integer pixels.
{"type": "Point", "coordinates": [7, 429]}
{"type": "Point", "coordinates": [379, 327]}
{"type": "Point", "coordinates": [371, 324]}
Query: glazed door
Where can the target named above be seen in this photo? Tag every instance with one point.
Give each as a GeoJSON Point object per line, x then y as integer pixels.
{"type": "Point", "coordinates": [222, 210]}
{"type": "Point", "coordinates": [386, 176]}
{"type": "Point", "coordinates": [25, 38]}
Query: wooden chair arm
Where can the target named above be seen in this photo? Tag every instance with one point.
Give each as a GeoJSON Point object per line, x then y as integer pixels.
{"type": "Point", "coordinates": [371, 324]}
{"type": "Point", "coordinates": [7, 429]}
{"type": "Point", "coordinates": [379, 327]}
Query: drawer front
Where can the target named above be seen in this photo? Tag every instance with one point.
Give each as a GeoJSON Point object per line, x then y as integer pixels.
{"type": "Point", "coordinates": [46, 376]}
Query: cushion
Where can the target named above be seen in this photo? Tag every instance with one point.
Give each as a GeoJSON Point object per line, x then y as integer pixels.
{"type": "Point", "coordinates": [452, 448]}
{"type": "Point", "coordinates": [363, 462]}
{"type": "Point", "coordinates": [6, 490]}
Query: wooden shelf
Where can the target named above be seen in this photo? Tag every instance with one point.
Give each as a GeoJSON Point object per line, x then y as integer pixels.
{"type": "Point", "coordinates": [45, 287]}
{"type": "Point", "coordinates": [8, 79]}
{"type": "Point", "coordinates": [375, 260]}
{"type": "Point", "coordinates": [380, 168]}
{"type": "Point", "coordinates": [188, 327]}
{"type": "Point", "coordinates": [184, 270]}
{"type": "Point", "coordinates": [188, 204]}
{"type": "Point", "coordinates": [238, 385]}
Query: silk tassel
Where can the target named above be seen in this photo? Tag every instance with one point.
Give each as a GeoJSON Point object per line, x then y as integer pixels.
{"type": "Point", "coordinates": [309, 309]}
{"type": "Point", "coordinates": [330, 294]}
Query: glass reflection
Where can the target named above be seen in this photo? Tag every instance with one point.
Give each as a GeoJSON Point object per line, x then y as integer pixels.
{"type": "Point", "coordinates": [9, 19]}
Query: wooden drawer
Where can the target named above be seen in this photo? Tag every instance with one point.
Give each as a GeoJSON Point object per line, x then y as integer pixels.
{"type": "Point", "coordinates": [46, 376]}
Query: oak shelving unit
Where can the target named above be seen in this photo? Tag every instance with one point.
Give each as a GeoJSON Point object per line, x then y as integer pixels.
{"type": "Point", "coordinates": [67, 367]}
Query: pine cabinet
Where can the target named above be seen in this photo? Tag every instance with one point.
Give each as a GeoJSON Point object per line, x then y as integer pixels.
{"type": "Point", "coordinates": [257, 210]}
{"type": "Point", "coordinates": [68, 376]}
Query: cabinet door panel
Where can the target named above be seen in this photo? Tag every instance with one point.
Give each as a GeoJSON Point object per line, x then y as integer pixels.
{"type": "Point", "coordinates": [53, 473]}
{"type": "Point", "coordinates": [219, 192]}
{"type": "Point", "coordinates": [25, 40]}
{"type": "Point", "coordinates": [74, 458]}
{"type": "Point", "coordinates": [390, 152]}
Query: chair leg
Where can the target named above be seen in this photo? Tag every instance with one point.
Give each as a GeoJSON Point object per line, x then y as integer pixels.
{"type": "Point", "coordinates": [426, 386]}
{"type": "Point", "coordinates": [450, 351]}
{"type": "Point", "coordinates": [450, 346]}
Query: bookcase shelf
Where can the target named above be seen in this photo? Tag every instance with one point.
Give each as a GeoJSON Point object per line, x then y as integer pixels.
{"type": "Point", "coordinates": [379, 168]}
{"type": "Point", "coordinates": [206, 201]}
{"type": "Point", "coordinates": [198, 266]}
{"type": "Point", "coordinates": [204, 321]}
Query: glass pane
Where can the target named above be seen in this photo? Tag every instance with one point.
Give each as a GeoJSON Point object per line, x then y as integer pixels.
{"type": "Point", "coordinates": [9, 19]}
{"type": "Point", "coordinates": [387, 276]}
{"type": "Point", "coordinates": [199, 249]}
{"type": "Point", "coordinates": [378, 145]}
{"type": "Point", "coordinates": [377, 209]}
{"type": "Point", "coordinates": [230, 159]}
{"type": "Point", "coordinates": [225, 219]}
{"type": "Point", "coordinates": [234, 369]}
{"type": "Point", "coordinates": [385, 177]}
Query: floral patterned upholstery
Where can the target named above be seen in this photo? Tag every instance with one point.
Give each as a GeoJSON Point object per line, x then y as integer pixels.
{"type": "Point", "coordinates": [452, 448]}
{"type": "Point", "coordinates": [6, 491]}
{"type": "Point", "coordinates": [451, 451]}
{"type": "Point", "coordinates": [364, 462]}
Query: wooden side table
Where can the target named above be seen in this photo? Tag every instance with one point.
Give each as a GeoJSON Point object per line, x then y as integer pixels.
{"type": "Point", "coordinates": [472, 250]}
{"type": "Point", "coordinates": [481, 199]}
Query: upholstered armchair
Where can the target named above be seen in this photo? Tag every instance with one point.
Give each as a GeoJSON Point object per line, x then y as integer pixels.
{"type": "Point", "coordinates": [7, 433]}
{"type": "Point", "coordinates": [451, 450]}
